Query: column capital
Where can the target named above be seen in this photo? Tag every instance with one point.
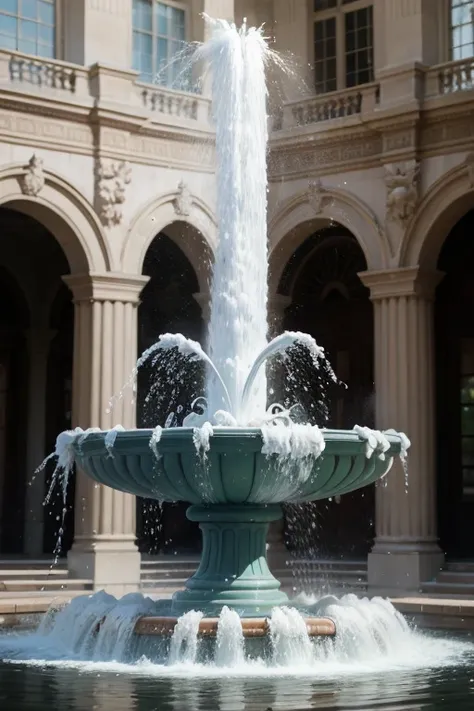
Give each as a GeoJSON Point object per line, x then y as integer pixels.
{"type": "Point", "coordinates": [111, 286]}
{"type": "Point", "coordinates": [405, 281]}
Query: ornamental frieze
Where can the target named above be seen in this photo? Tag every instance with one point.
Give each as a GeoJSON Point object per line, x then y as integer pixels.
{"type": "Point", "coordinates": [354, 153]}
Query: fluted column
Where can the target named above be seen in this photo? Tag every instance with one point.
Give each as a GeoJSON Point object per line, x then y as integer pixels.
{"type": "Point", "coordinates": [406, 550]}
{"type": "Point", "coordinates": [105, 351]}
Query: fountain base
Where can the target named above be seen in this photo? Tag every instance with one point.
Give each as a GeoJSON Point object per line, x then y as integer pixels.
{"type": "Point", "coordinates": [251, 627]}
{"type": "Point", "coordinates": [233, 569]}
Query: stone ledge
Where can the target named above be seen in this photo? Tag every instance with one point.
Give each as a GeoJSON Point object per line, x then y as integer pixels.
{"type": "Point", "coordinates": [251, 627]}
{"type": "Point", "coordinates": [434, 606]}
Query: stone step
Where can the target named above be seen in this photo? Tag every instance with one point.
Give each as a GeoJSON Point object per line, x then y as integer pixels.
{"type": "Point", "coordinates": [451, 589]}
{"type": "Point", "coordinates": [460, 566]}
{"type": "Point", "coordinates": [355, 574]}
{"type": "Point", "coordinates": [14, 585]}
{"type": "Point", "coordinates": [450, 576]}
{"type": "Point", "coordinates": [329, 563]}
{"type": "Point", "coordinates": [26, 573]}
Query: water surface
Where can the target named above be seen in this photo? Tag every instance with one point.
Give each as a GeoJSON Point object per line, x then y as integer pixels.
{"type": "Point", "coordinates": [41, 688]}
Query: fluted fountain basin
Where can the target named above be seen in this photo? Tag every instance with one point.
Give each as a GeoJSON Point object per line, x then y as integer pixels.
{"type": "Point", "coordinates": [235, 492]}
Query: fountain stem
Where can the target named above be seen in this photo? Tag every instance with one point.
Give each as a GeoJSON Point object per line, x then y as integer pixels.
{"type": "Point", "coordinates": [233, 569]}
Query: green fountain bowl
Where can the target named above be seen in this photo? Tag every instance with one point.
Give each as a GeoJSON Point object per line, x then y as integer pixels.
{"type": "Point", "coordinates": [235, 491]}
{"type": "Point", "coordinates": [233, 471]}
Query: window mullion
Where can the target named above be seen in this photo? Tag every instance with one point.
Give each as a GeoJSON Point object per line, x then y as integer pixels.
{"type": "Point", "coordinates": [340, 50]}
{"type": "Point", "coordinates": [154, 29]}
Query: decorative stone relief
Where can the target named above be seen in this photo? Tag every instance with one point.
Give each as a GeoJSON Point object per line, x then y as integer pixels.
{"type": "Point", "coordinates": [33, 181]}
{"type": "Point", "coordinates": [316, 195]}
{"type": "Point", "coordinates": [402, 190]}
{"type": "Point", "coordinates": [112, 179]}
{"type": "Point", "coordinates": [183, 201]}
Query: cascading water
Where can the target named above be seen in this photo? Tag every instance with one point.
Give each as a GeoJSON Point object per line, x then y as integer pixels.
{"type": "Point", "coordinates": [372, 635]}
{"type": "Point", "coordinates": [238, 323]}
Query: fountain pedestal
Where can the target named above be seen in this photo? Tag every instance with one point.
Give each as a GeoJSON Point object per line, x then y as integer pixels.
{"type": "Point", "coordinates": [233, 569]}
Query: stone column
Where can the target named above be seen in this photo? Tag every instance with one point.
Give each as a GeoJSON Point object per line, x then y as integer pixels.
{"type": "Point", "coordinates": [277, 553]}
{"type": "Point", "coordinates": [406, 550]}
{"type": "Point", "coordinates": [39, 341]}
{"type": "Point", "coordinates": [105, 351]}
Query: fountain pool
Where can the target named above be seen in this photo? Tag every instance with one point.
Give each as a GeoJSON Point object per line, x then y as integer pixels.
{"type": "Point", "coordinates": [235, 460]}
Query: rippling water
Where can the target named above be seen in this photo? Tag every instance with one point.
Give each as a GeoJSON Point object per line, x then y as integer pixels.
{"type": "Point", "coordinates": [37, 686]}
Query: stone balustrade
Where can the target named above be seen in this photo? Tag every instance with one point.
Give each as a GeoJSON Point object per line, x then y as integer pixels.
{"type": "Point", "coordinates": [24, 70]}
{"type": "Point", "coordinates": [173, 103]}
{"type": "Point", "coordinates": [102, 86]}
{"type": "Point", "coordinates": [334, 105]}
{"type": "Point", "coordinates": [449, 78]}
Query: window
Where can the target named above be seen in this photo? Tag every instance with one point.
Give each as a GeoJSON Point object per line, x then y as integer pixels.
{"type": "Point", "coordinates": [462, 29]}
{"type": "Point", "coordinates": [467, 415]}
{"type": "Point", "coordinates": [159, 34]}
{"type": "Point", "coordinates": [28, 26]}
{"type": "Point", "coordinates": [343, 44]}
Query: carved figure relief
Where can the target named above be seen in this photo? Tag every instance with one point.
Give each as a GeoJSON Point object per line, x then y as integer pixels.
{"type": "Point", "coordinates": [402, 190]}
{"type": "Point", "coordinates": [316, 195]}
{"type": "Point", "coordinates": [33, 181]}
{"type": "Point", "coordinates": [183, 201]}
{"type": "Point", "coordinates": [112, 179]}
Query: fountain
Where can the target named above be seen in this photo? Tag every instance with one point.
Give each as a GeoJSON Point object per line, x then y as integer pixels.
{"type": "Point", "coordinates": [234, 460]}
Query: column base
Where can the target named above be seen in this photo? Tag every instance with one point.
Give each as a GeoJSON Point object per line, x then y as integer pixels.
{"type": "Point", "coordinates": [397, 567]}
{"type": "Point", "coordinates": [112, 564]}
{"type": "Point", "coordinates": [233, 570]}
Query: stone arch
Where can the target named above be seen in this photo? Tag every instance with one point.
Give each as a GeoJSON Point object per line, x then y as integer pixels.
{"type": "Point", "coordinates": [297, 220]}
{"type": "Point", "coordinates": [160, 215]}
{"type": "Point", "coordinates": [448, 199]}
{"type": "Point", "coordinates": [64, 211]}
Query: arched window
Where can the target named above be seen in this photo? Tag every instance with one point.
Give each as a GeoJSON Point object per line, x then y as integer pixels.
{"type": "Point", "coordinates": [29, 26]}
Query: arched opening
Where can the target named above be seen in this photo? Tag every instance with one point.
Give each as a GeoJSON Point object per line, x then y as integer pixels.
{"type": "Point", "coordinates": [14, 323]}
{"type": "Point", "coordinates": [36, 321]}
{"type": "Point", "coordinates": [168, 305]}
{"type": "Point", "coordinates": [454, 333]}
{"type": "Point", "coordinates": [329, 301]}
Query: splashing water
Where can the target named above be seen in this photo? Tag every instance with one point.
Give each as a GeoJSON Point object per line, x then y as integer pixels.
{"type": "Point", "coordinates": [290, 640]}
{"type": "Point", "coordinates": [371, 636]}
{"type": "Point", "coordinates": [230, 640]}
{"type": "Point", "coordinates": [184, 643]}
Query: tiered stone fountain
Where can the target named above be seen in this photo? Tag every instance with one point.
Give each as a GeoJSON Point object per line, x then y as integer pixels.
{"type": "Point", "coordinates": [235, 461]}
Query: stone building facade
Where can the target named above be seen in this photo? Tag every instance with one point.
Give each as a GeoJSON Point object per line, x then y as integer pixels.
{"type": "Point", "coordinates": [108, 227]}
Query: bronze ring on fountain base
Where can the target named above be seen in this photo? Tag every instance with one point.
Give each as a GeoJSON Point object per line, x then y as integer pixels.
{"type": "Point", "coordinates": [251, 627]}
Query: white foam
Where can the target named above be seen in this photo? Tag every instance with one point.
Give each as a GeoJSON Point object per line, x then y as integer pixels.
{"type": "Point", "coordinates": [155, 441]}
{"type": "Point", "coordinates": [202, 438]}
{"type": "Point", "coordinates": [375, 441]}
{"type": "Point", "coordinates": [296, 441]}
{"type": "Point", "coordinates": [110, 437]}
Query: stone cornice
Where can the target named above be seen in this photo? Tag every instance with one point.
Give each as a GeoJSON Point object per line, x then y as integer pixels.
{"type": "Point", "coordinates": [106, 287]}
{"type": "Point", "coordinates": [78, 122]}
{"type": "Point", "coordinates": [396, 283]}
